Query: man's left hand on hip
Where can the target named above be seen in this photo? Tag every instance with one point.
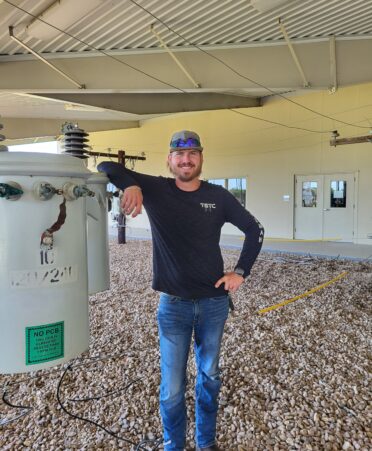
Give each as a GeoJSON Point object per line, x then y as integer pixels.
{"type": "Point", "coordinates": [231, 280]}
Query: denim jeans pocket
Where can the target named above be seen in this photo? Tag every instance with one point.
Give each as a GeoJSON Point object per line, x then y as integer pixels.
{"type": "Point", "coordinates": [215, 309]}
{"type": "Point", "coordinates": [220, 298]}
{"type": "Point", "coordinates": [168, 298]}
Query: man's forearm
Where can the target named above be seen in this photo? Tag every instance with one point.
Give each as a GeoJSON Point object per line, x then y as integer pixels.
{"type": "Point", "coordinates": [251, 248]}
{"type": "Point", "coordinates": [117, 174]}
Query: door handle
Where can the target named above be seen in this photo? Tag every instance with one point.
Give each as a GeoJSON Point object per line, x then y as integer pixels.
{"type": "Point", "coordinates": [326, 209]}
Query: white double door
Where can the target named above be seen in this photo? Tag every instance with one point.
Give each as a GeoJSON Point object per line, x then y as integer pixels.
{"type": "Point", "coordinates": [324, 207]}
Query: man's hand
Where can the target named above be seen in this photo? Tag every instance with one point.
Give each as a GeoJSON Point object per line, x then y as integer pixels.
{"type": "Point", "coordinates": [131, 201]}
{"type": "Point", "coordinates": [231, 280]}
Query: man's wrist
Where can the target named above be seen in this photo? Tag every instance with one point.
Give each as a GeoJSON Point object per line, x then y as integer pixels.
{"type": "Point", "coordinates": [239, 271]}
{"type": "Point", "coordinates": [133, 187]}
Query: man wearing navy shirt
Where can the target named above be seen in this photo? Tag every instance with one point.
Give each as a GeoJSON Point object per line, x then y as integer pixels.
{"type": "Point", "coordinates": [186, 216]}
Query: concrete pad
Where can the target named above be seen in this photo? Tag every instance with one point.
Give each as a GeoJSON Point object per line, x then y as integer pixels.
{"type": "Point", "coordinates": [326, 249]}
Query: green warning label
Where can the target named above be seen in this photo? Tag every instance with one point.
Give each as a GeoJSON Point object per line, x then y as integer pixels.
{"type": "Point", "coordinates": [44, 343]}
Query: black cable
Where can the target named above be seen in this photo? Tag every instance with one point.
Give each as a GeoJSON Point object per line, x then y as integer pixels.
{"type": "Point", "coordinates": [139, 446]}
{"type": "Point", "coordinates": [5, 421]}
{"type": "Point", "coordinates": [96, 398]}
{"type": "Point", "coordinates": [26, 410]}
{"type": "Point", "coordinates": [278, 123]}
{"type": "Point", "coordinates": [242, 75]}
{"type": "Point", "coordinates": [15, 406]}
{"type": "Point", "coordinates": [157, 443]}
{"type": "Point", "coordinates": [106, 395]}
{"type": "Point", "coordinates": [78, 417]}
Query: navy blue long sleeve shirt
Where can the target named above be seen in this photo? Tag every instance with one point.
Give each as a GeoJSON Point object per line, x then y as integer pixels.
{"type": "Point", "coordinates": [186, 228]}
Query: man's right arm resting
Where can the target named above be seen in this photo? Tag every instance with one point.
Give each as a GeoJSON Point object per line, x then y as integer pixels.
{"type": "Point", "coordinates": [118, 174]}
{"type": "Point", "coordinates": [132, 199]}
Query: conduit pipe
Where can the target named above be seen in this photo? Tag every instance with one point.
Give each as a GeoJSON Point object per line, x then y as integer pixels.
{"type": "Point", "coordinates": [307, 293]}
{"type": "Point", "coordinates": [333, 64]}
{"type": "Point", "coordinates": [176, 60]}
{"type": "Point", "coordinates": [306, 84]}
{"type": "Point", "coordinates": [55, 68]}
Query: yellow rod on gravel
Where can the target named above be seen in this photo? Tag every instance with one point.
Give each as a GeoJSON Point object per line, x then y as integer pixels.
{"type": "Point", "coordinates": [294, 240]}
{"type": "Point", "coordinates": [300, 296]}
{"type": "Point", "coordinates": [302, 241]}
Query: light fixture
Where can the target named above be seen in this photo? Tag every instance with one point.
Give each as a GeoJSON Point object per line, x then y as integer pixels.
{"type": "Point", "coordinates": [263, 6]}
{"type": "Point", "coordinates": [61, 14]}
{"type": "Point", "coordinates": [83, 108]}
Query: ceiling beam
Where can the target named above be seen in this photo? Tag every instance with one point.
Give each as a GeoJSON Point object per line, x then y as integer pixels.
{"type": "Point", "coordinates": [150, 51]}
{"type": "Point", "coordinates": [354, 65]}
{"type": "Point", "coordinates": [20, 128]}
{"type": "Point", "coordinates": [158, 103]}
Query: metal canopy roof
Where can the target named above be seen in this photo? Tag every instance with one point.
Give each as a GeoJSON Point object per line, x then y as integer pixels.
{"type": "Point", "coordinates": [111, 49]}
{"type": "Point", "coordinates": [122, 25]}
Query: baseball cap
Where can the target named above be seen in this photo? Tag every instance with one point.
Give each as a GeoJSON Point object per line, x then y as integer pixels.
{"type": "Point", "coordinates": [185, 140]}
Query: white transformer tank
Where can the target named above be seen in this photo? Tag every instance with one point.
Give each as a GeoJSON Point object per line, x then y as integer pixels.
{"type": "Point", "coordinates": [97, 230]}
{"type": "Point", "coordinates": [43, 260]}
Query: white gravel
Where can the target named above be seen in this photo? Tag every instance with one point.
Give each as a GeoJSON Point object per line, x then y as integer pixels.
{"type": "Point", "coordinates": [296, 378]}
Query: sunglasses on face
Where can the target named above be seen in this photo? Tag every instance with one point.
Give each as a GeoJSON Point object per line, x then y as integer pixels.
{"type": "Point", "coordinates": [180, 143]}
{"type": "Point", "coordinates": [179, 153]}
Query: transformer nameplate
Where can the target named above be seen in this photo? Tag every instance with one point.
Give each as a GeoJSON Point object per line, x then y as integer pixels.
{"type": "Point", "coordinates": [43, 277]}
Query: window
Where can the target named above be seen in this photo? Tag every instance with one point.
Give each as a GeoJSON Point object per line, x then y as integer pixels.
{"type": "Point", "coordinates": [338, 194]}
{"type": "Point", "coordinates": [309, 194]}
{"type": "Point", "coordinates": [236, 186]}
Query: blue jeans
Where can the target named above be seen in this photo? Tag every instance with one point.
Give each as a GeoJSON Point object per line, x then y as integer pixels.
{"type": "Point", "coordinates": [177, 319]}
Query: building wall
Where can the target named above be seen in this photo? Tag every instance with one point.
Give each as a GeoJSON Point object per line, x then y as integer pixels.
{"type": "Point", "coordinates": [268, 155]}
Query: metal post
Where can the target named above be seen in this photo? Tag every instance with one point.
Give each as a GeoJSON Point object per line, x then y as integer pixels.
{"type": "Point", "coordinates": [121, 219]}
{"type": "Point", "coordinates": [121, 228]}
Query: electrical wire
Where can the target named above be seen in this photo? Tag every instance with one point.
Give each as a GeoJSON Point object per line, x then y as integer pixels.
{"type": "Point", "coordinates": [221, 61]}
{"type": "Point", "coordinates": [106, 395]}
{"type": "Point", "coordinates": [78, 417]}
{"type": "Point", "coordinates": [5, 421]}
{"type": "Point", "coordinates": [139, 446]}
{"type": "Point", "coordinates": [166, 83]}
{"type": "Point", "coordinates": [81, 362]}
{"type": "Point", "coordinates": [279, 123]}
{"type": "Point", "coordinates": [25, 409]}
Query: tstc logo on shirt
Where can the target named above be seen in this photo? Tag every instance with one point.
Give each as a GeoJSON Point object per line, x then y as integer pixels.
{"type": "Point", "coordinates": [208, 207]}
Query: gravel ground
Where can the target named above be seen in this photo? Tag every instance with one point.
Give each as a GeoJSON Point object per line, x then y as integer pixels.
{"type": "Point", "coordinates": [296, 378]}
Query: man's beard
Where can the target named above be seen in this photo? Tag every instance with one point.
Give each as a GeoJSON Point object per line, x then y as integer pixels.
{"type": "Point", "coordinates": [176, 171]}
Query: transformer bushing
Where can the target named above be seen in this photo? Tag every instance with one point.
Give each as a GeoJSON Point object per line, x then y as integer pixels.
{"type": "Point", "coordinates": [74, 142]}
{"type": "Point", "coordinates": [2, 138]}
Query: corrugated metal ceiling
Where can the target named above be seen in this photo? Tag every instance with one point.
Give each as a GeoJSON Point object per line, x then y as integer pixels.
{"type": "Point", "coordinates": [250, 60]}
{"type": "Point", "coordinates": [122, 25]}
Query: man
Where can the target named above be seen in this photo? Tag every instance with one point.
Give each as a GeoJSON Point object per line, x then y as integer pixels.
{"type": "Point", "coordinates": [186, 216]}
